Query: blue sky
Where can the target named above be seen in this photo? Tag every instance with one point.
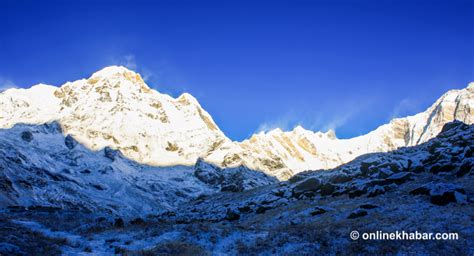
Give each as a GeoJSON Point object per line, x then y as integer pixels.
{"type": "Point", "coordinates": [346, 65]}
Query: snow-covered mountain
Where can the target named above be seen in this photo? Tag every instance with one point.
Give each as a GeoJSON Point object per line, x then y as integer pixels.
{"type": "Point", "coordinates": [115, 108]}
{"type": "Point", "coordinates": [286, 153]}
{"type": "Point", "coordinates": [81, 162]}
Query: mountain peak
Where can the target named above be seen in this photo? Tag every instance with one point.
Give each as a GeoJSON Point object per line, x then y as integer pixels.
{"type": "Point", "coordinates": [118, 75]}
{"type": "Point", "coordinates": [117, 72]}
{"type": "Point", "coordinates": [275, 131]}
{"type": "Point", "coordinates": [299, 129]}
{"type": "Point", "coordinates": [470, 85]}
{"type": "Point", "coordinates": [187, 99]}
{"type": "Point", "coordinates": [331, 134]}
{"type": "Point", "coordinates": [111, 71]}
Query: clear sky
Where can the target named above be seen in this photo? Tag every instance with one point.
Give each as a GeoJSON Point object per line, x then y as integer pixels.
{"type": "Point", "coordinates": [346, 65]}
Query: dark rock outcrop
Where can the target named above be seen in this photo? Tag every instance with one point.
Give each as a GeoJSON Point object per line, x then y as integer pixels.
{"type": "Point", "coordinates": [118, 223]}
{"type": "Point", "coordinates": [232, 215]}
{"type": "Point", "coordinates": [307, 185]}
{"type": "Point", "coordinates": [400, 178]}
{"type": "Point", "coordinates": [27, 136]}
{"type": "Point", "coordinates": [442, 193]}
{"type": "Point", "coordinates": [357, 214]}
{"type": "Point", "coordinates": [208, 173]}
{"type": "Point", "coordinates": [110, 153]}
{"type": "Point", "coordinates": [70, 142]}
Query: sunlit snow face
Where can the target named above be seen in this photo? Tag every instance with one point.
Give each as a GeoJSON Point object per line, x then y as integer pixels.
{"type": "Point", "coordinates": [115, 108]}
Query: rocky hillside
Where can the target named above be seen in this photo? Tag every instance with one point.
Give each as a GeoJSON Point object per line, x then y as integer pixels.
{"type": "Point", "coordinates": [424, 188]}
{"type": "Point", "coordinates": [41, 167]}
{"type": "Point", "coordinates": [115, 108]}
{"type": "Point", "coordinates": [441, 161]}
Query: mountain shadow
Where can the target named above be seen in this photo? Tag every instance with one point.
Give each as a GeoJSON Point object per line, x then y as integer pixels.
{"type": "Point", "coordinates": [39, 166]}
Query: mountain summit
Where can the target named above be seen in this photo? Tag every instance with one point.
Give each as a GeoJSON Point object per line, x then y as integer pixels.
{"type": "Point", "coordinates": [115, 108]}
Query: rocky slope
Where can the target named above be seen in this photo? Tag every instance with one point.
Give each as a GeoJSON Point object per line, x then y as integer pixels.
{"type": "Point", "coordinates": [115, 108]}
{"type": "Point", "coordinates": [41, 167]}
{"type": "Point", "coordinates": [426, 188]}
{"type": "Point", "coordinates": [446, 158]}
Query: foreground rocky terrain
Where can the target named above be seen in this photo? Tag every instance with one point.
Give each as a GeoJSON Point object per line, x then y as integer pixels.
{"type": "Point", "coordinates": [424, 188]}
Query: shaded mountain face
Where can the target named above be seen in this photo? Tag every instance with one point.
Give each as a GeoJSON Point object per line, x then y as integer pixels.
{"type": "Point", "coordinates": [39, 166]}
{"type": "Point", "coordinates": [115, 108]}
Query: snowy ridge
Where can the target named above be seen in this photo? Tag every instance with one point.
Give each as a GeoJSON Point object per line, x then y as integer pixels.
{"type": "Point", "coordinates": [115, 108]}
{"type": "Point", "coordinates": [35, 105]}
{"type": "Point", "coordinates": [286, 153]}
